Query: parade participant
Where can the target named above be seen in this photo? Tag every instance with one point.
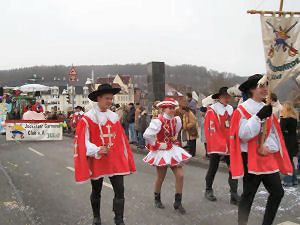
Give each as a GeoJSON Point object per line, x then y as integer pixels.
{"type": "Point", "coordinates": [101, 149]}
{"type": "Point", "coordinates": [216, 128]}
{"type": "Point", "coordinates": [28, 107]}
{"type": "Point", "coordinates": [37, 107]}
{"type": "Point", "coordinates": [78, 114]}
{"type": "Point", "coordinates": [251, 163]}
{"type": "Point", "coordinates": [161, 137]}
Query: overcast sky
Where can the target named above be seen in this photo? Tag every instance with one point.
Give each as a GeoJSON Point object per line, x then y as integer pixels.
{"type": "Point", "coordinates": [217, 34]}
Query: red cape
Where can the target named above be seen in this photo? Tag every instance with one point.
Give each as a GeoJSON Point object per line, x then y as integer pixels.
{"type": "Point", "coordinates": [257, 164]}
{"type": "Point", "coordinates": [217, 136]}
{"type": "Point", "coordinates": [119, 160]}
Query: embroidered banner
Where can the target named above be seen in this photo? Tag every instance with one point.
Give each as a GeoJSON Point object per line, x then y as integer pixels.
{"type": "Point", "coordinates": [281, 40]}
{"type": "Point", "coordinates": [30, 130]}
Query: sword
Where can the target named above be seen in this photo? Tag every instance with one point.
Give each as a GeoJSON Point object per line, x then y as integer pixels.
{"type": "Point", "coordinates": [291, 27]}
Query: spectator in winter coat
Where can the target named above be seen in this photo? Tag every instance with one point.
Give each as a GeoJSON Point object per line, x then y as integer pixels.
{"type": "Point", "coordinates": [192, 104]}
{"type": "Point", "coordinates": [119, 111]}
{"type": "Point", "coordinates": [130, 120]}
{"type": "Point", "coordinates": [123, 119]}
{"type": "Point", "coordinates": [288, 124]}
{"type": "Point", "coordinates": [201, 126]}
{"type": "Point", "coordinates": [155, 110]}
{"type": "Point", "coordinates": [136, 118]}
{"type": "Point", "coordinates": [142, 125]}
{"type": "Point", "coordinates": [277, 107]}
{"type": "Point", "coordinates": [190, 125]}
{"type": "Point", "coordinates": [179, 112]}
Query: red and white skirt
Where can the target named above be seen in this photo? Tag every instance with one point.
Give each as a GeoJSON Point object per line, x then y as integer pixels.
{"type": "Point", "coordinates": [174, 157]}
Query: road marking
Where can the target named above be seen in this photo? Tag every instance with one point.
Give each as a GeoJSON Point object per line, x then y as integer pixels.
{"type": "Point", "coordinates": [104, 183]}
{"type": "Point", "coordinates": [70, 168]}
{"type": "Point", "coordinates": [13, 164]}
{"type": "Point", "coordinates": [288, 223]}
{"type": "Point", "coordinates": [107, 185]}
{"type": "Point", "coordinates": [19, 198]}
{"type": "Point", "coordinates": [35, 151]}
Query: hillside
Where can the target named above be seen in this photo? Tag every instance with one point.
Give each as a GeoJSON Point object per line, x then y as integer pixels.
{"type": "Point", "coordinates": [198, 78]}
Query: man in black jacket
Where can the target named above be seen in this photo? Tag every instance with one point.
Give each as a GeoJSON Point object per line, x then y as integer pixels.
{"type": "Point", "coordinates": [130, 120]}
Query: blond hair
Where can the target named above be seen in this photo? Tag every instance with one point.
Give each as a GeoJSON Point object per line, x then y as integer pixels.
{"type": "Point", "coordinates": [288, 110]}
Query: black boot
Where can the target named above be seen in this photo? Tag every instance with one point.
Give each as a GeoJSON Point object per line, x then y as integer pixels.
{"type": "Point", "coordinates": [235, 199]}
{"type": "Point", "coordinates": [118, 208]}
{"type": "Point", "coordinates": [209, 194]}
{"type": "Point", "coordinates": [157, 201]}
{"type": "Point", "coordinates": [95, 202]}
{"type": "Point", "coordinates": [177, 204]}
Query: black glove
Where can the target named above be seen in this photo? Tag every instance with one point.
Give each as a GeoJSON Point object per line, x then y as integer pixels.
{"type": "Point", "coordinates": [265, 112]}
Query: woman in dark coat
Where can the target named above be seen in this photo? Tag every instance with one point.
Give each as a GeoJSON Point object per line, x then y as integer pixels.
{"type": "Point", "coordinates": [288, 124]}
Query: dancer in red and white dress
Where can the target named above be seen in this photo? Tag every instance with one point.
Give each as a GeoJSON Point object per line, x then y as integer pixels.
{"type": "Point", "coordinates": [161, 137]}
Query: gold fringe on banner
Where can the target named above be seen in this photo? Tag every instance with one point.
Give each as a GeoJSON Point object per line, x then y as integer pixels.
{"type": "Point", "coordinates": [273, 12]}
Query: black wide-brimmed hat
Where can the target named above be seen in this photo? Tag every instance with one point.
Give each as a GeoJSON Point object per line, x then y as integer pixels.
{"type": "Point", "coordinates": [222, 91]}
{"type": "Point", "coordinates": [251, 83]}
{"type": "Point", "coordinates": [103, 89]}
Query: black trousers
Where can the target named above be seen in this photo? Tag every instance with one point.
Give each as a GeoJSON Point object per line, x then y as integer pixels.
{"type": "Point", "coordinates": [214, 160]}
{"type": "Point", "coordinates": [192, 147]}
{"type": "Point", "coordinates": [118, 185]}
{"type": "Point", "coordinates": [251, 183]}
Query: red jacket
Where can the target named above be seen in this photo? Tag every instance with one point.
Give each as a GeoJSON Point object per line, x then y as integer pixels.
{"type": "Point", "coordinates": [216, 131]}
{"type": "Point", "coordinates": [119, 160]}
{"type": "Point", "coordinates": [257, 164]}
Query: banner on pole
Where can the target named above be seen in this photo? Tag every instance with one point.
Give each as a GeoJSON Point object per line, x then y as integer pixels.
{"type": "Point", "coordinates": [33, 130]}
{"type": "Point", "coordinates": [281, 40]}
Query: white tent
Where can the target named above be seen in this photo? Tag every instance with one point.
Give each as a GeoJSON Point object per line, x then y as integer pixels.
{"type": "Point", "coordinates": [33, 88]}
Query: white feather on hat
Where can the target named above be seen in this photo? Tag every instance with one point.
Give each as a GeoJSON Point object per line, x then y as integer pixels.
{"type": "Point", "coordinates": [195, 96]}
{"type": "Point", "coordinates": [235, 91]}
{"type": "Point", "coordinates": [206, 102]}
{"type": "Point", "coordinates": [263, 80]}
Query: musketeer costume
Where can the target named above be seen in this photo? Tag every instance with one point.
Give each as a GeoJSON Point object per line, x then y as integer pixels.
{"type": "Point", "coordinates": [102, 128]}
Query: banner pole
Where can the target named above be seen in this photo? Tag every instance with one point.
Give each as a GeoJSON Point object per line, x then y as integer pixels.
{"type": "Point", "coordinates": [281, 6]}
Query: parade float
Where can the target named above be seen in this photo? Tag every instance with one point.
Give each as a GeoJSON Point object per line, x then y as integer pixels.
{"type": "Point", "coordinates": [26, 125]}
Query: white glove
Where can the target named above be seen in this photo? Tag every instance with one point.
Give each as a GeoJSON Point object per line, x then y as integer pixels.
{"type": "Point", "coordinates": [163, 146]}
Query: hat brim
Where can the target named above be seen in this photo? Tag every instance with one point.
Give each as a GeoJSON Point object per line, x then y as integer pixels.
{"type": "Point", "coordinates": [249, 84]}
{"type": "Point", "coordinates": [165, 104]}
{"type": "Point", "coordinates": [93, 95]}
{"type": "Point", "coordinates": [217, 95]}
